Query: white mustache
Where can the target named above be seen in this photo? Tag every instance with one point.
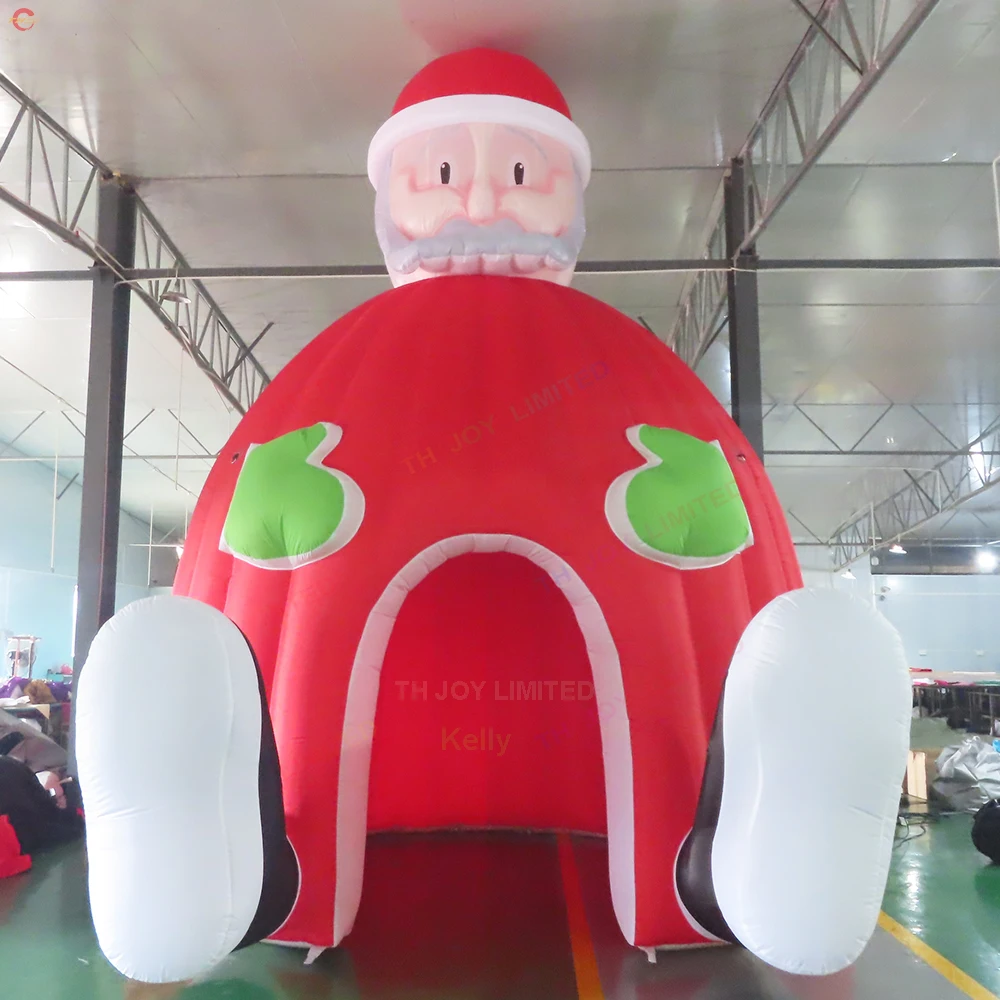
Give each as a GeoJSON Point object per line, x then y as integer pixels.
{"type": "Point", "coordinates": [486, 263]}
{"type": "Point", "coordinates": [461, 247]}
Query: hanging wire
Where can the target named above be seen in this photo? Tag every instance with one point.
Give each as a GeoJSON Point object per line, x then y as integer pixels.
{"type": "Point", "coordinates": [180, 400]}
{"type": "Point", "coordinates": [55, 500]}
{"type": "Point", "coordinates": [996, 194]}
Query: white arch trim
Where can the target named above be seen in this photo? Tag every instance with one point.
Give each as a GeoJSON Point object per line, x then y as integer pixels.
{"type": "Point", "coordinates": [362, 696]}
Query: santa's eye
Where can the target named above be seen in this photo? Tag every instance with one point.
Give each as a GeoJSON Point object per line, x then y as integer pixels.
{"type": "Point", "coordinates": [445, 173]}
{"type": "Point", "coordinates": [518, 173]}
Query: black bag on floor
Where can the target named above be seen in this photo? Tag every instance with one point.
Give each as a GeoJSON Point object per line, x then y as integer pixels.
{"type": "Point", "coordinates": [986, 831]}
{"type": "Point", "coordinates": [37, 820]}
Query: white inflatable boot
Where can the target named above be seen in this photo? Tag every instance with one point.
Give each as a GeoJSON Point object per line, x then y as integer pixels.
{"type": "Point", "coordinates": [179, 775]}
{"type": "Point", "coordinates": [816, 722]}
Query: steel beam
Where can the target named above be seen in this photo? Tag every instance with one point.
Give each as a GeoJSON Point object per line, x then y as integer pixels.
{"type": "Point", "coordinates": [186, 273]}
{"type": "Point", "coordinates": [100, 510]}
{"type": "Point", "coordinates": [881, 264]}
{"type": "Point", "coordinates": [875, 453]}
{"type": "Point", "coordinates": [58, 190]}
{"type": "Point", "coordinates": [188, 312]}
{"type": "Point", "coordinates": [717, 267]}
{"type": "Point", "coordinates": [812, 101]}
{"type": "Point", "coordinates": [819, 91]}
{"type": "Point", "coordinates": [46, 459]}
{"type": "Point", "coordinates": [928, 493]}
{"type": "Point", "coordinates": [743, 311]}
{"type": "Point", "coordinates": [81, 274]}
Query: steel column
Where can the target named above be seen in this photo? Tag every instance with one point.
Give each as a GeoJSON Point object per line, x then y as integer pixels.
{"type": "Point", "coordinates": [105, 428]}
{"type": "Point", "coordinates": [743, 312]}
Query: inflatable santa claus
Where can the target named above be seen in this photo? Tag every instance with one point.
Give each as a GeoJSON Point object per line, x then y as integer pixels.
{"type": "Point", "coordinates": [486, 554]}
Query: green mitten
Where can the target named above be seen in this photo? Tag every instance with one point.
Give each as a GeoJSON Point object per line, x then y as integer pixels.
{"type": "Point", "coordinates": [683, 507]}
{"type": "Point", "coordinates": [289, 509]}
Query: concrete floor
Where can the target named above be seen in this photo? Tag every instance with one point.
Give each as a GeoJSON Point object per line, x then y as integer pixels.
{"type": "Point", "coordinates": [484, 917]}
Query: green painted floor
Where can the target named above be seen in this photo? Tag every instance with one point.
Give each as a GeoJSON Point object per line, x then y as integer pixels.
{"type": "Point", "coordinates": [948, 895]}
{"type": "Point", "coordinates": [482, 917]}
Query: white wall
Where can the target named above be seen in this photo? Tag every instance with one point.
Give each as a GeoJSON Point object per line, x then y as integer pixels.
{"type": "Point", "coordinates": [817, 578]}
{"type": "Point", "coordinates": [948, 623]}
{"type": "Point", "coordinates": [816, 564]}
{"type": "Point", "coordinates": [36, 597]}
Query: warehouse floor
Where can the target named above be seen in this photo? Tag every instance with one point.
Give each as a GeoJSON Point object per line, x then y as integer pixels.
{"type": "Point", "coordinates": [493, 917]}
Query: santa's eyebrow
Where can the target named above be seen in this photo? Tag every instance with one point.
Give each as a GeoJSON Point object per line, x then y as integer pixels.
{"type": "Point", "coordinates": [524, 134]}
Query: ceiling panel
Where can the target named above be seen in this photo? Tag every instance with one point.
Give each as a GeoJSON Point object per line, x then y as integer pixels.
{"type": "Point", "coordinates": [959, 424]}
{"type": "Point", "coordinates": [324, 220]}
{"type": "Point", "coordinates": [43, 368]}
{"type": "Point", "coordinates": [40, 353]}
{"type": "Point", "coordinates": [942, 210]}
{"type": "Point", "coordinates": [300, 309]}
{"type": "Point", "coordinates": [826, 288]}
{"type": "Point", "coordinates": [163, 88]}
{"type": "Point", "coordinates": [713, 370]}
{"type": "Point", "coordinates": [938, 100]}
{"type": "Point", "coordinates": [268, 221]}
{"type": "Point", "coordinates": [879, 287]}
{"type": "Point", "coordinates": [788, 428]}
{"type": "Point", "coordinates": [819, 499]}
{"type": "Point", "coordinates": [38, 432]}
{"type": "Point", "coordinates": [161, 433]}
{"type": "Point", "coordinates": [919, 353]}
{"type": "Point", "coordinates": [977, 519]}
{"type": "Point", "coordinates": [840, 382]}
{"type": "Point", "coordinates": [26, 247]}
{"type": "Point", "coordinates": [149, 490]}
{"type": "Point", "coordinates": [902, 428]}
{"type": "Point", "coordinates": [937, 288]}
{"type": "Point", "coordinates": [848, 427]}
{"type": "Point", "coordinates": [247, 122]}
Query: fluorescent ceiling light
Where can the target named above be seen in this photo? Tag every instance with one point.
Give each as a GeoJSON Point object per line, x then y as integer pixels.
{"type": "Point", "coordinates": [897, 550]}
{"type": "Point", "coordinates": [986, 560]}
{"type": "Point", "coordinates": [848, 575]}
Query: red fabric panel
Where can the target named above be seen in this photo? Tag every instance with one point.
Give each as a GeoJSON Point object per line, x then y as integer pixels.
{"type": "Point", "coordinates": [256, 603]}
{"type": "Point", "coordinates": [490, 405]}
{"type": "Point", "coordinates": [486, 714]}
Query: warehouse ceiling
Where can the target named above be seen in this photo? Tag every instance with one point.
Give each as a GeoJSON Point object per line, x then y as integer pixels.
{"type": "Point", "coordinates": [246, 125]}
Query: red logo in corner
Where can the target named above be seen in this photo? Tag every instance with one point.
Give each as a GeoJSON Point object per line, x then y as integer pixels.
{"type": "Point", "coordinates": [23, 19]}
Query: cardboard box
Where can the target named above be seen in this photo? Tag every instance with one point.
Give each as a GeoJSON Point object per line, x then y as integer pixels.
{"type": "Point", "coordinates": [920, 774]}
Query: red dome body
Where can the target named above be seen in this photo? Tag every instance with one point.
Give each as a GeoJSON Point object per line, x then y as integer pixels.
{"type": "Point", "coordinates": [484, 419]}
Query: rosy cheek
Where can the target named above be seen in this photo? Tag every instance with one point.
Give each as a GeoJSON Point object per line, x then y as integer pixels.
{"type": "Point", "coordinates": [549, 212]}
{"type": "Point", "coordinates": [421, 213]}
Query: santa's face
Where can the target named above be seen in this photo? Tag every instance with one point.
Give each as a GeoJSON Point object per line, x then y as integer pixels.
{"type": "Point", "coordinates": [490, 199]}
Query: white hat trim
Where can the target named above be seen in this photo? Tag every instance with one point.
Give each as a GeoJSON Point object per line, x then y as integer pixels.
{"type": "Point", "coordinates": [488, 109]}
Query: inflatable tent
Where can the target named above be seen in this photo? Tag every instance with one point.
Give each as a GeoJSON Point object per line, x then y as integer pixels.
{"type": "Point", "coordinates": [494, 549]}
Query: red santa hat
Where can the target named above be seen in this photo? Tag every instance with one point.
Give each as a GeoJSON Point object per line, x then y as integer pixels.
{"type": "Point", "coordinates": [479, 85]}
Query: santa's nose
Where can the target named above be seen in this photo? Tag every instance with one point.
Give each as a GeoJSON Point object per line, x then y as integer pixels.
{"type": "Point", "coordinates": [481, 204]}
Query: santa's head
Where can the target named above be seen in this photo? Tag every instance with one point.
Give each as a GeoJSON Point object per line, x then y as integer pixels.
{"type": "Point", "coordinates": [480, 170]}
